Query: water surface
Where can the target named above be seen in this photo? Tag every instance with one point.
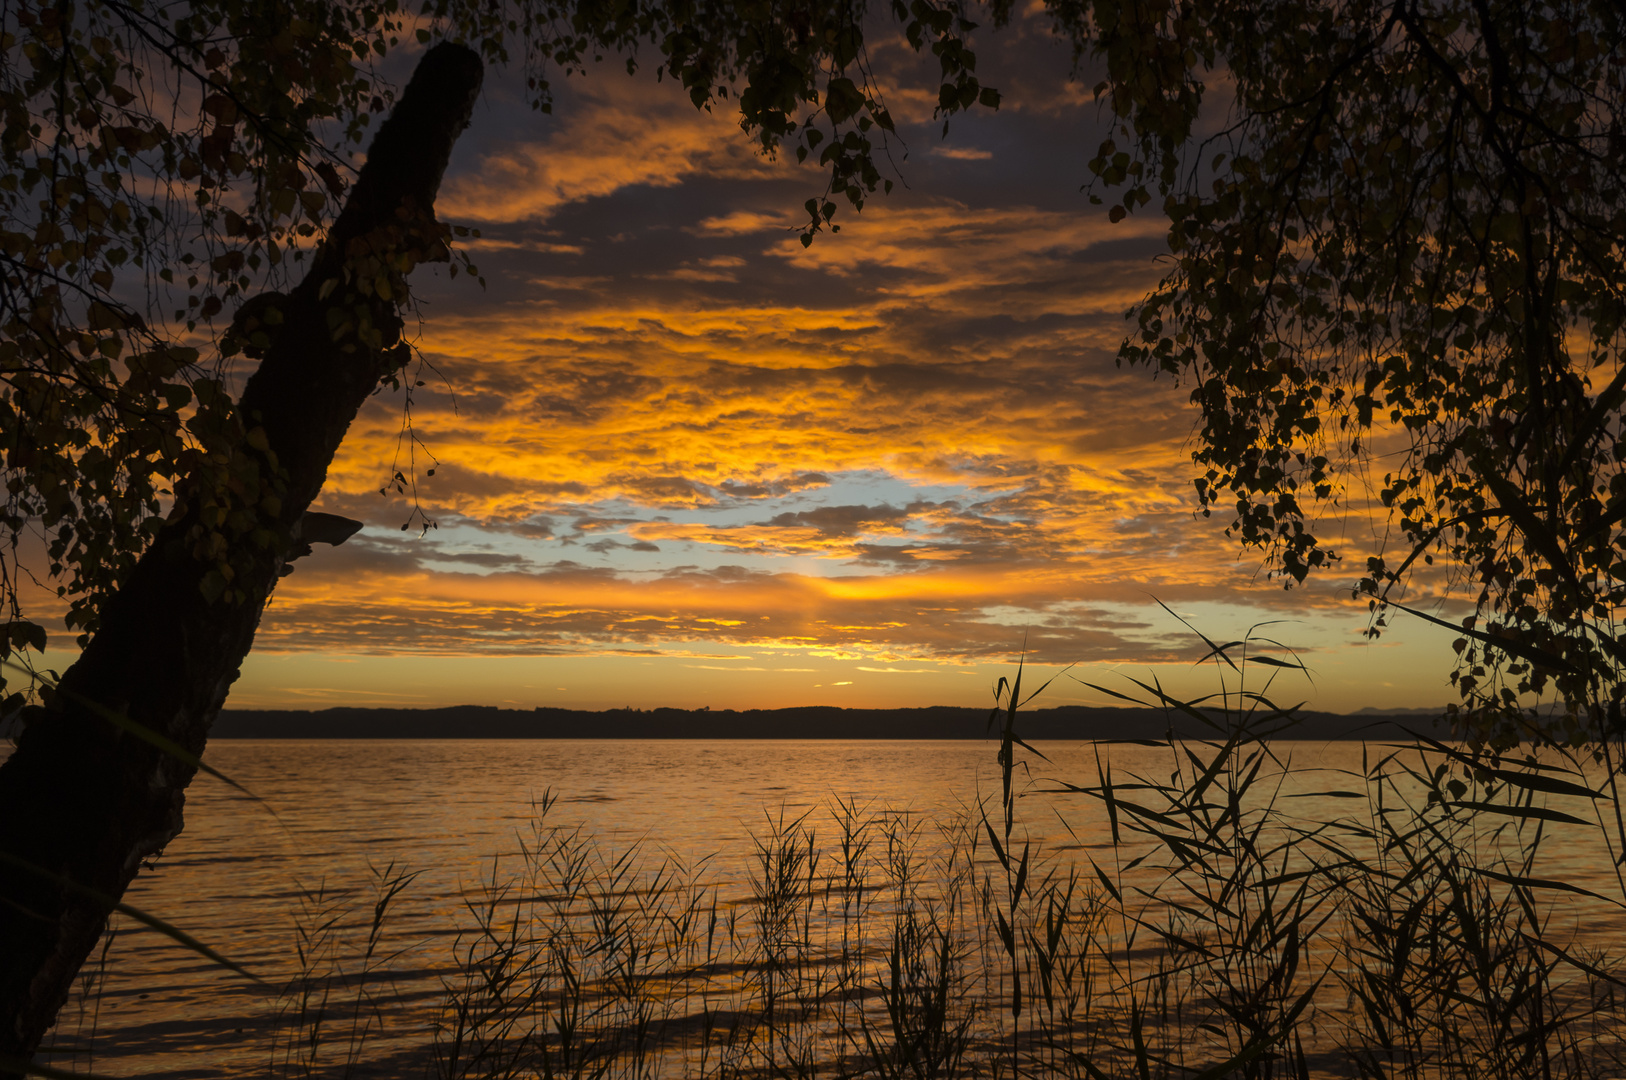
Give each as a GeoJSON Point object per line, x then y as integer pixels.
{"type": "Point", "coordinates": [329, 816]}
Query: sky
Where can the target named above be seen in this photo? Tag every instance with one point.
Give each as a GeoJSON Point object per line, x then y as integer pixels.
{"type": "Point", "coordinates": [678, 459]}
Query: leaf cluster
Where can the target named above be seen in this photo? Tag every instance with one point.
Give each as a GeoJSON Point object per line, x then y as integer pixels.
{"type": "Point", "coordinates": [797, 73]}
{"type": "Point", "coordinates": [159, 162]}
{"type": "Point", "coordinates": [1396, 232]}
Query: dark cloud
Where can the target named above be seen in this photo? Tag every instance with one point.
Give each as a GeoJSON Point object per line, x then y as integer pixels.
{"type": "Point", "coordinates": [774, 488]}
{"type": "Point", "coordinates": [584, 395]}
{"type": "Point", "coordinates": [907, 556]}
{"type": "Point", "coordinates": [489, 559]}
{"type": "Point", "coordinates": [841, 520]}
{"type": "Point", "coordinates": [589, 523]}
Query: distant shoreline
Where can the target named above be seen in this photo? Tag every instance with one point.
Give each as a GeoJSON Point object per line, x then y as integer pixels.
{"type": "Point", "coordinates": [810, 722]}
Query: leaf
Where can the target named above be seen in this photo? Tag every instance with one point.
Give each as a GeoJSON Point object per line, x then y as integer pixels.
{"type": "Point", "coordinates": [1005, 933]}
{"type": "Point", "coordinates": [1114, 693]}
{"type": "Point", "coordinates": [20, 633]}
{"type": "Point", "coordinates": [992, 839]}
{"type": "Point", "coordinates": [1271, 661]}
{"type": "Point", "coordinates": [1213, 649]}
{"type": "Point", "coordinates": [331, 179]}
{"type": "Point", "coordinates": [1517, 648]}
{"type": "Point", "coordinates": [1107, 796]}
{"type": "Point", "coordinates": [1112, 890]}
{"type": "Point", "coordinates": [842, 100]}
{"type": "Point", "coordinates": [1529, 780]}
{"type": "Point", "coordinates": [1535, 813]}
{"type": "Point", "coordinates": [1572, 961]}
{"type": "Point", "coordinates": [1544, 883]}
{"type": "Point", "coordinates": [1549, 784]}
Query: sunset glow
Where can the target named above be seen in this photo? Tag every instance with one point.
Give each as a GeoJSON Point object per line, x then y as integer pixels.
{"type": "Point", "coordinates": [679, 459]}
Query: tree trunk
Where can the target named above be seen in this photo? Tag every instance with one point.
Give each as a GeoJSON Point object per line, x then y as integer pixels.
{"type": "Point", "coordinates": [83, 802]}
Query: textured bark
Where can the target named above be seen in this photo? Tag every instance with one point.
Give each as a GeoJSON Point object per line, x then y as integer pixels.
{"type": "Point", "coordinates": [83, 803]}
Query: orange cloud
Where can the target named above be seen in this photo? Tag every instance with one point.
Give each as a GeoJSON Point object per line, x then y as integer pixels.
{"type": "Point", "coordinates": [667, 428]}
{"type": "Point", "coordinates": [350, 607]}
{"type": "Point", "coordinates": [617, 134]}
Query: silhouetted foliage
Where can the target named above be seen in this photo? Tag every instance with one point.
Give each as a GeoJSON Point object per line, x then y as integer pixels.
{"type": "Point", "coordinates": [1397, 233]}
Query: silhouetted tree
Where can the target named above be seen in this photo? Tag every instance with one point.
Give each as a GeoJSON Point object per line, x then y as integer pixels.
{"type": "Point", "coordinates": [1397, 239]}
{"type": "Point", "coordinates": [83, 799]}
{"type": "Point", "coordinates": [164, 164]}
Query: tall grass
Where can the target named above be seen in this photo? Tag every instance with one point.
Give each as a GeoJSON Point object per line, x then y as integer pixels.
{"type": "Point", "coordinates": [843, 957]}
{"type": "Point", "coordinates": [1412, 937]}
{"type": "Point", "coordinates": [337, 1000]}
{"type": "Point", "coordinates": [1221, 933]}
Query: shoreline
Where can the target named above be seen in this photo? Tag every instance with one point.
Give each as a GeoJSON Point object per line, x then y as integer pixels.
{"type": "Point", "coordinates": [807, 722]}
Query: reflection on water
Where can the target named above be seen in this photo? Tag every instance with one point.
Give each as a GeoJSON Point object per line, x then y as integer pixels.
{"type": "Point", "coordinates": [445, 808]}
{"type": "Point", "coordinates": [350, 814]}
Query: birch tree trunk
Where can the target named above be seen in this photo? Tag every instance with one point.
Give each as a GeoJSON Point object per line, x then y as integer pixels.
{"type": "Point", "coordinates": [82, 801]}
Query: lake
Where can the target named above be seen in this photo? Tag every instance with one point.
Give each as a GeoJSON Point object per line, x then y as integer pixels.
{"type": "Point", "coordinates": [331, 818]}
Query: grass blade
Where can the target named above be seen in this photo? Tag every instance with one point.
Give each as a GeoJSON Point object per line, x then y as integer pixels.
{"type": "Point", "coordinates": [153, 922]}
{"type": "Point", "coordinates": [1533, 813]}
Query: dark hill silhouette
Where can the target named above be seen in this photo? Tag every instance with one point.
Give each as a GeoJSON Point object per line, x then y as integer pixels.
{"type": "Point", "coordinates": [809, 722]}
